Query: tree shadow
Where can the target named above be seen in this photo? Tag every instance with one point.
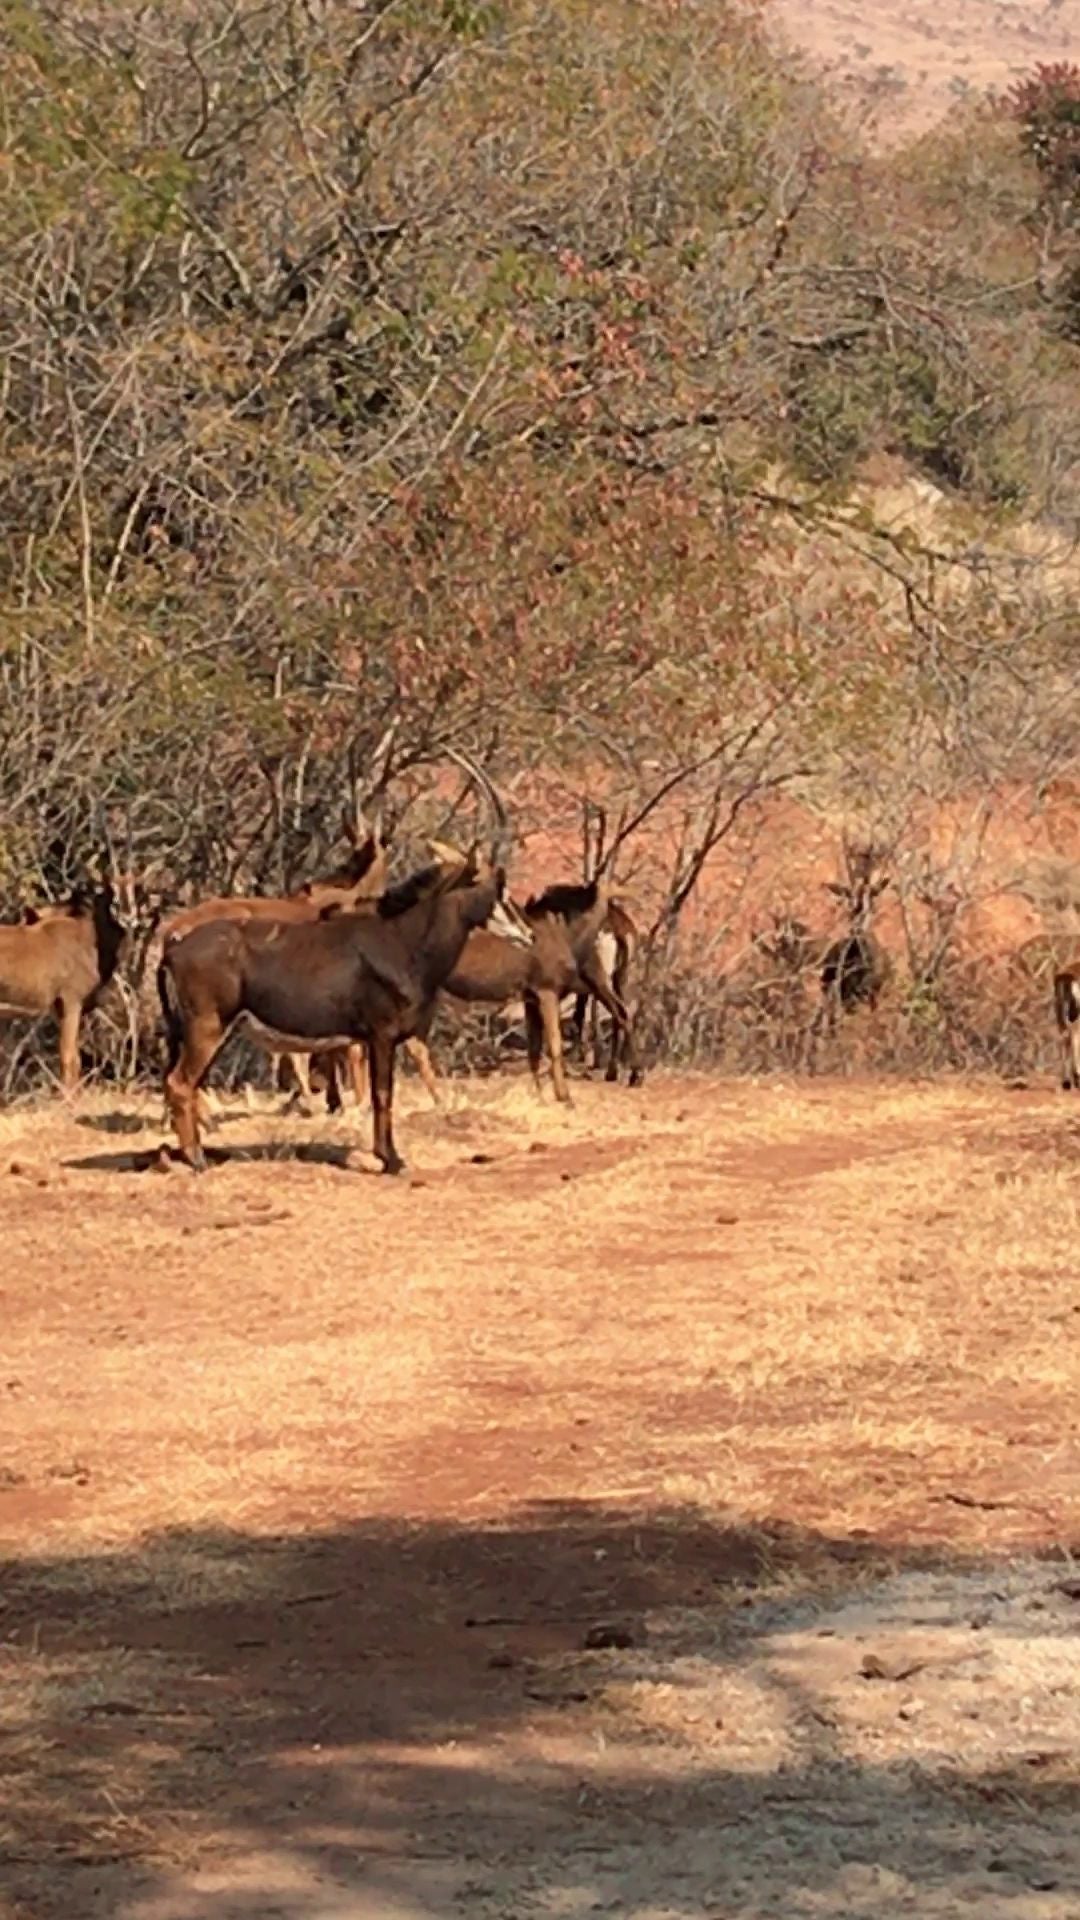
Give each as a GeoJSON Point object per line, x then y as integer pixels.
{"type": "Point", "coordinates": [441, 1719]}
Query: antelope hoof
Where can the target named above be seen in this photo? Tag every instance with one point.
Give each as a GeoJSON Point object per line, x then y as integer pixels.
{"type": "Point", "coordinates": [611, 1075]}
{"type": "Point", "coordinates": [392, 1162]}
{"type": "Point", "coordinates": [637, 1078]}
{"type": "Point", "coordinates": [196, 1160]}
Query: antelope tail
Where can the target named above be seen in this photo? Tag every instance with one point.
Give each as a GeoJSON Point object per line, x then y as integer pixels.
{"type": "Point", "coordinates": [174, 1026]}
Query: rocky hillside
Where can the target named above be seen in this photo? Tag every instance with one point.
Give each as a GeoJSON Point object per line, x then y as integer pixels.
{"type": "Point", "coordinates": [907, 62]}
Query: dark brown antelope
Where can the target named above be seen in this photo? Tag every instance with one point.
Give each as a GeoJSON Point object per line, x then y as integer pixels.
{"type": "Point", "coordinates": [360, 879]}
{"type": "Point", "coordinates": [327, 986]}
{"type": "Point", "coordinates": [60, 960]}
{"type": "Point", "coordinates": [321, 986]}
{"type": "Point", "coordinates": [854, 969]}
{"type": "Point", "coordinates": [505, 923]}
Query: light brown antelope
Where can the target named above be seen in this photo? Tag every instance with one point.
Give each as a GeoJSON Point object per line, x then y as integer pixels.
{"type": "Point", "coordinates": [59, 960]}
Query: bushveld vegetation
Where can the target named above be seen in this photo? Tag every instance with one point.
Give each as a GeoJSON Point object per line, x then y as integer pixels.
{"type": "Point", "coordinates": [439, 372]}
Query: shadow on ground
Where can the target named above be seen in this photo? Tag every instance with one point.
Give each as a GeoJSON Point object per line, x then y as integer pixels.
{"type": "Point", "coordinates": [342, 1154]}
{"type": "Point", "coordinates": [417, 1720]}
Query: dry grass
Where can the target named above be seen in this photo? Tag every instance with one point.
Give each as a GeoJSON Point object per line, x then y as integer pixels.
{"type": "Point", "coordinates": [700, 1358]}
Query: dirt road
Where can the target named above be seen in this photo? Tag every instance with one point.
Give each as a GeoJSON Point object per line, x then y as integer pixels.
{"type": "Point", "coordinates": [660, 1509]}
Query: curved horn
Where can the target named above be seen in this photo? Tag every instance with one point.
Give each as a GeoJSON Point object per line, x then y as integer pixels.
{"type": "Point", "coordinates": [380, 759]}
{"type": "Point", "coordinates": [110, 862]}
{"type": "Point", "coordinates": [503, 833]}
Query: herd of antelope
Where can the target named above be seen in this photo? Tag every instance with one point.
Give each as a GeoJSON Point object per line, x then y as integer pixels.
{"type": "Point", "coordinates": [349, 967]}
{"type": "Point", "coordinates": [352, 966]}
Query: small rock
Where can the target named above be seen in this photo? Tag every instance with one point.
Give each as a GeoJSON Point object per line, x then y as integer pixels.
{"type": "Point", "coordinates": [871, 1668]}
{"type": "Point", "coordinates": [727, 1219]}
{"type": "Point", "coordinates": [21, 1171]}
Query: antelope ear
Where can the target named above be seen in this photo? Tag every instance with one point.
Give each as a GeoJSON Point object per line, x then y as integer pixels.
{"type": "Point", "coordinates": [31, 917]}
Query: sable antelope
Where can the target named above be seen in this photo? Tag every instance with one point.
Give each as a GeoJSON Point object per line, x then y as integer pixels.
{"type": "Point", "coordinates": [60, 960]}
{"type": "Point", "coordinates": [361, 878]}
{"type": "Point", "coordinates": [505, 923]}
{"type": "Point", "coordinates": [614, 947]}
{"type": "Point", "coordinates": [326, 985]}
{"type": "Point", "coordinates": [1067, 1015]}
{"type": "Point", "coordinates": [854, 969]}
{"type": "Point", "coordinates": [559, 957]}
